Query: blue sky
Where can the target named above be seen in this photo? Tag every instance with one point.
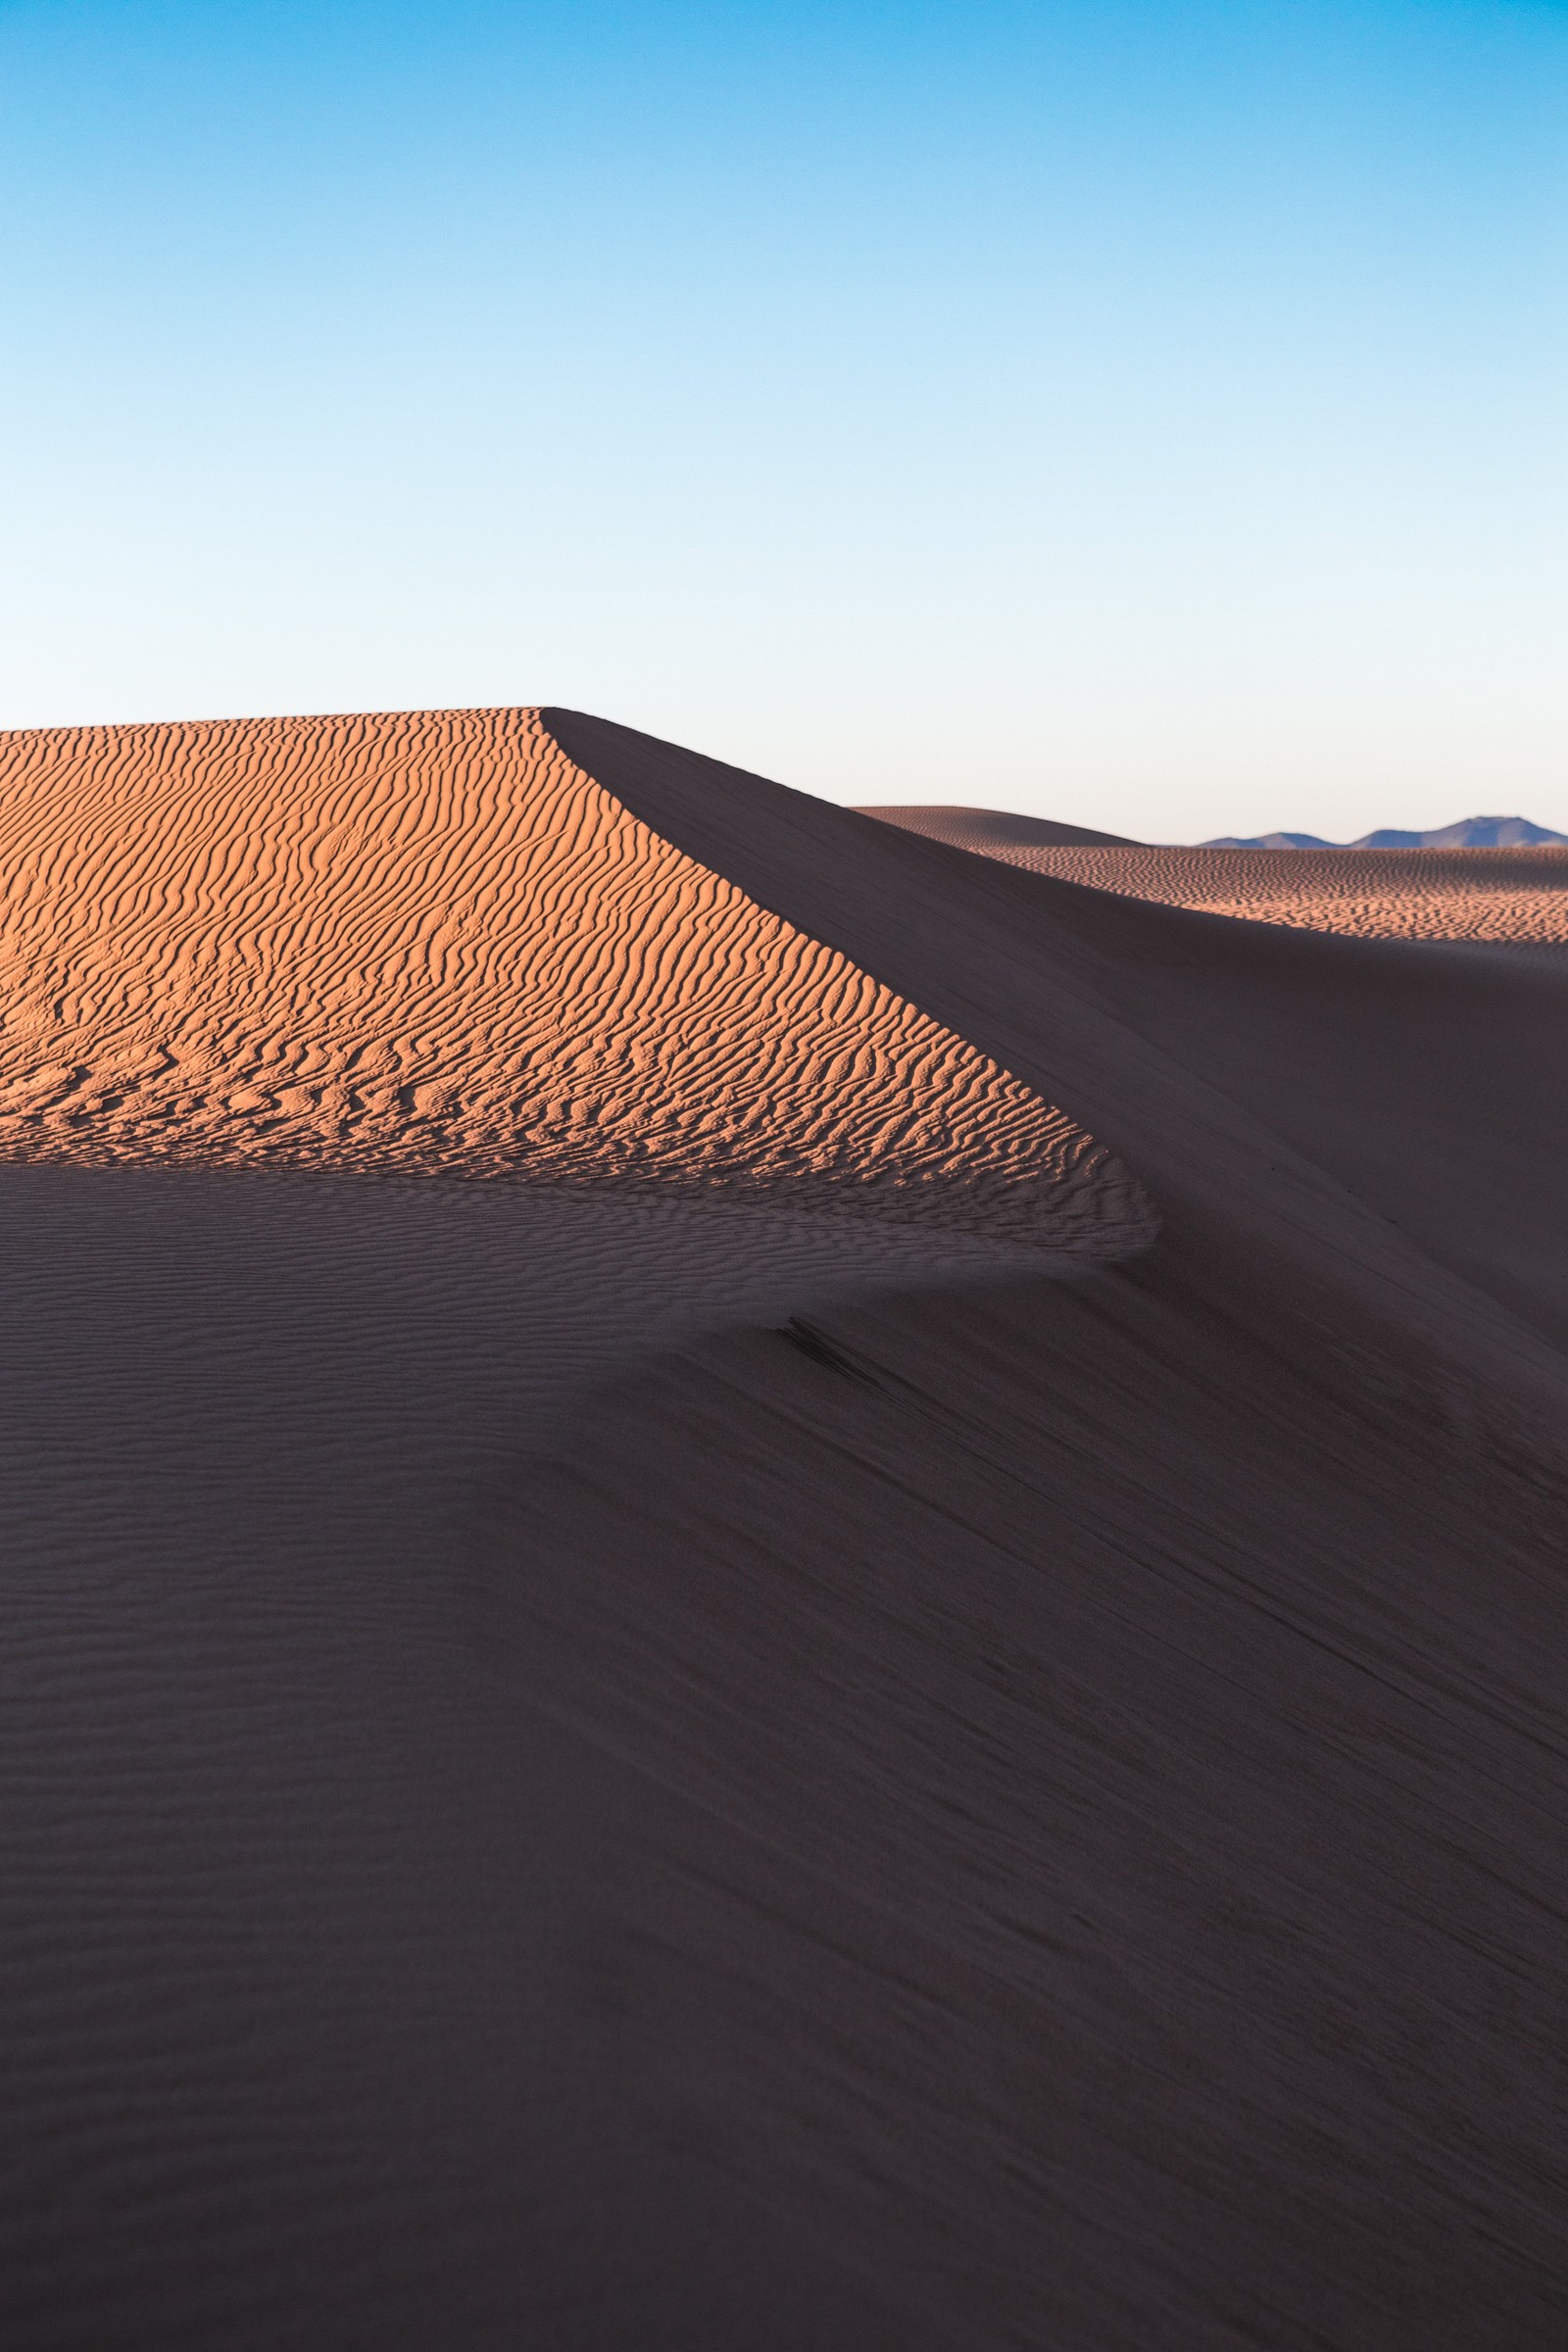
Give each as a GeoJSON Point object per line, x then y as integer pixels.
{"type": "Point", "coordinates": [1151, 416]}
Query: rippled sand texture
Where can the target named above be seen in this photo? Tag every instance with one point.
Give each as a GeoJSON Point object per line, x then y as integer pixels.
{"type": "Point", "coordinates": [1498, 898]}
{"type": "Point", "coordinates": [429, 943]}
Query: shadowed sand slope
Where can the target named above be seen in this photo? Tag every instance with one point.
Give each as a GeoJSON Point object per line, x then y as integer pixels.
{"type": "Point", "coordinates": [1396, 1108]}
{"type": "Point", "coordinates": [1498, 898]}
{"type": "Point", "coordinates": [576, 1778]}
{"type": "Point", "coordinates": [1164, 1947]}
{"type": "Point", "coordinates": [429, 941]}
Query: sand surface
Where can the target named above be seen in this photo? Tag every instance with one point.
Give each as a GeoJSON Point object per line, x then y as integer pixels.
{"type": "Point", "coordinates": [1495, 898]}
{"type": "Point", "coordinates": [430, 943]}
{"type": "Point", "coordinates": [906, 1690]}
{"type": "Point", "coordinates": [994, 831]}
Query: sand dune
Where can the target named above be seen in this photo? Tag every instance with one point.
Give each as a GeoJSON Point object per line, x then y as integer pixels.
{"type": "Point", "coordinates": [993, 831]}
{"type": "Point", "coordinates": [429, 943]}
{"type": "Point", "coordinates": [1495, 898]}
{"type": "Point", "coordinates": [601, 1757]}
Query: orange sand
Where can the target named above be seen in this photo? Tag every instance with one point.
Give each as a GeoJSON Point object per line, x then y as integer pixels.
{"type": "Point", "coordinates": [429, 943]}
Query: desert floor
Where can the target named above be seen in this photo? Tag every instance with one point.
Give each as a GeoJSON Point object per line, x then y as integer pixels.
{"type": "Point", "coordinates": [769, 1587]}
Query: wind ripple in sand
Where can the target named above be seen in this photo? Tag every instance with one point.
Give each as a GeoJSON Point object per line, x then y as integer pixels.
{"type": "Point", "coordinates": [429, 943]}
{"type": "Point", "coordinates": [1490, 898]}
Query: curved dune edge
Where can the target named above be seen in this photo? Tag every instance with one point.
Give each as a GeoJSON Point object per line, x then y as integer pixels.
{"type": "Point", "coordinates": [428, 942]}
{"type": "Point", "coordinates": [1488, 897]}
{"type": "Point", "coordinates": [993, 832]}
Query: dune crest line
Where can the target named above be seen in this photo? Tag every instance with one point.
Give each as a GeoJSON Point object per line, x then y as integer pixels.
{"type": "Point", "coordinates": [429, 943]}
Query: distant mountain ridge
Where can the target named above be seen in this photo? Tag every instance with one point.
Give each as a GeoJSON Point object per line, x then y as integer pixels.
{"type": "Point", "coordinates": [1470, 833]}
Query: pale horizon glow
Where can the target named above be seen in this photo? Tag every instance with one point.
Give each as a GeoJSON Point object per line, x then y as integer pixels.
{"type": "Point", "coordinates": [1146, 416]}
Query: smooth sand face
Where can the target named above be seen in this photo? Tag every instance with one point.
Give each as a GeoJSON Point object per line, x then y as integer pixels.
{"type": "Point", "coordinates": [429, 943]}
{"type": "Point", "coordinates": [1493, 898]}
{"type": "Point", "coordinates": [607, 1753]}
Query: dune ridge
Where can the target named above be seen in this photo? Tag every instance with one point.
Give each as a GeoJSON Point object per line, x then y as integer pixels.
{"type": "Point", "coordinates": [428, 943]}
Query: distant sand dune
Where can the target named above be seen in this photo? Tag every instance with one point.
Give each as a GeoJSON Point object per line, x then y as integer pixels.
{"type": "Point", "coordinates": [1498, 898]}
{"type": "Point", "coordinates": [995, 832]}
{"type": "Point", "coordinates": [428, 942]}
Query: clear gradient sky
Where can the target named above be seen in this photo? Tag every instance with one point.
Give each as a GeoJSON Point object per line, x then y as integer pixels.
{"type": "Point", "coordinates": [1151, 416]}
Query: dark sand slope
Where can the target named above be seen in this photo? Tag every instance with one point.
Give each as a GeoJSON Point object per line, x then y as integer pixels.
{"type": "Point", "coordinates": [311, 2029]}
{"type": "Point", "coordinates": [1143, 1916]}
{"type": "Point", "coordinates": [1036, 1817]}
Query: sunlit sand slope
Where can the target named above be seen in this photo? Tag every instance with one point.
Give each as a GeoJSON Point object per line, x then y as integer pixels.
{"type": "Point", "coordinates": [1513, 897]}
{"type": "Point", "coordinates": [429, 941]}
